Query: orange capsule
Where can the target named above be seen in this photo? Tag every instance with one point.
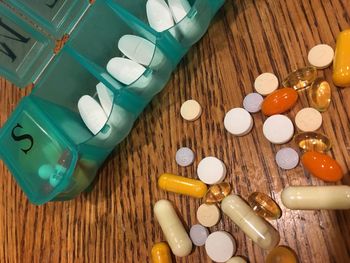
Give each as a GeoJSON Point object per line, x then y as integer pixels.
{"type": "Point", "coordinates": [322, 166]}
{"type": "Point", "coordinates": [279, 101]}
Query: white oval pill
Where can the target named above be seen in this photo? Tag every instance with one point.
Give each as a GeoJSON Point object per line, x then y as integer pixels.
{"type": "Point", "coordinates": [211, 170]}
{"type": "Point", "coordinates": [266, 83]}
{"type": "Point", "coordinates": [252, 102]}
{"type": "Point", "coordinates": [236, 260]}
{"type": "Point", "coordinates": [321, 56]}
{"type": "Point", "coordinates": [308, 119]}
{"type": "Point", "coordinates": [208, 215]}
{"type": "Point", "coordinates": [220, 246]}
{"type": "Point", "coordinates": [238, 122]}
{"type": "Point", "coordinates": [191, 110]}
{"type": "Point", "coordinates": [106, 97]}
{"type": "Point", "coordinates": [173, 229]}
{"type": "Point", "coordinates": [92, 114]}
{"type": "Point", "coordinates": [278, 129]}
{"type": "Point", "coordinates": [159, 15]}
{"type": "Point", "coordinates": [179, 9]}
{"type": "Point", "coordinates": [184, 156]}
{"type": "Point", "coordinates": [199, 235]}
{"type": "Point", "coordinates": [287, 158]}
{"type": "Point", "coordinates": [125, 70]}
{"type": "Point", "coordinates": [137, 48]}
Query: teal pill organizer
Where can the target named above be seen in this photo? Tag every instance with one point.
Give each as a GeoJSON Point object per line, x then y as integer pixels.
{"type": "Point", "coordinates": [44, 143]}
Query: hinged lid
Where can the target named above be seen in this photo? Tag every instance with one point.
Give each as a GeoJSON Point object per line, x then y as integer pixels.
{"type": "Point", "coordinates": [26, 46]}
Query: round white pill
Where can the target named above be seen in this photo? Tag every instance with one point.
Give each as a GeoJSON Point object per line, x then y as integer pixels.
{"type": "Point", "coordinates": [208, 215]}
{"type": "Point", "coordinates": [321, 56]}
{"type": "Point", "coordinates": [184, 156]}
{"type": "Point", "coordinates": [287, 158]}
{"type": "Point", "coordinates": [252, 102]}
{"type": "Point", "coordinates": [236, 260]}
{"type": "Point", "coordinates": [278, 129]}
{"type": "Point", "coordinates": [308, 119]}
{"type": "Point", "coordinates": [211, 170]}
{"type": "Point", "coordinates": [199, 235]}
{"type": "Point", "coordinates": [266, 83]}
{"type": "Point", "coordinates": [238, 122]}
{"type": "Point", "coordinates": [220, 246]}
{"type": "Point", "coordinates": [191, 110]}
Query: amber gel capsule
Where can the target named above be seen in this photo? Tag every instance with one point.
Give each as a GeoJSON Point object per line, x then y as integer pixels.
{"type": "Point", "coordinates": [255, 227]}
{"type": "Point", "coordinates": [173, 229]}
{"type": "Point", "coordinates": [161, 253]}
{"type": "Point", "coordinates": [182, 185]}
{"type": "Point", "coordinates": [316, 197]}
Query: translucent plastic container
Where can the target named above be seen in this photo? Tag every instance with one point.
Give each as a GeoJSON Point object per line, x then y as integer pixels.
{"type": "Point", "coordinates": [44, 143]}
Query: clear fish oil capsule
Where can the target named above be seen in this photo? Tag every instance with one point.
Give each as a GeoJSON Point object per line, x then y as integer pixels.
{"type": "Point", "coordinates": [320, 94]}
{"type": "Point", "coordinates": [216, 193]}
{"type": "Point", "coordinates": [313, 141]}
{"type": "Point", "coordinates": [301, 78]}
{"type": "Point", "coordinates": [264, 206]}
{"type": "Point", "coordinates": [281, 254]}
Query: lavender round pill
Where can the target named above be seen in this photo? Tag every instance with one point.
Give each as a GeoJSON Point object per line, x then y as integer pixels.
{"type": "Point", "coordinates": [184, 156]}
{"type": "Point", "coordinates": [252, 102]}
{"type": "Point", "coordinates": [199, 235]}
{"type": "Point", "coordinates": [287, 158]}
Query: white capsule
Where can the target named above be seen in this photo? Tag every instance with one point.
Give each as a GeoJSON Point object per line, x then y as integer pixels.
{"type": "Point", "coordinates": [173, 229]}
{"type": "Point", "coordinates": [316, 197]}
{"type": "Point", "coordinates": [255, 227]}
{"type": "Point", "coordinates": [159, 15]}
{"type": "Point", "coordinates": [125, 70]}
{"type": "Point", "coordinates": [179, 9]}
{"type": "Point", "coordinates": [137, 49]}
{"type": "Point", "coordinates": [92, 114]}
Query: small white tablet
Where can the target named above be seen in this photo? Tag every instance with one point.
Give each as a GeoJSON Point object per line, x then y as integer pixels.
{"type": "Point", "coordinates": [321, 56]}
{"type": "Point", "coordinates": [208, 215]}
{"type": "Point", "coordinates": [308, 119]}
{"type": "Point", "coordinates": [220, 246]}
{"type": "Point", "coordinates": [238, 122]}
{"type": "Point", "coordinates": [278, 129]}
{"type": "Point", "coordinates": [266, 83]}
{"type": "Point", "coordinates": [211, 170]}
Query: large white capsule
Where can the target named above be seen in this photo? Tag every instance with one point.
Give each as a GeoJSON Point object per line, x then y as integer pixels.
{"type": "Point", "coordinates": [316, 197]}
{"type": "Point", "coordinates": [179, 9]}
{"type": "Point", "coordinates": [92, 114]}
{"type": "Point", "coordinates": [159, 15]}
{"type": "Point", "coordinates": [125, 70]}
{"type": "Point", "coordinates": [173, 229]}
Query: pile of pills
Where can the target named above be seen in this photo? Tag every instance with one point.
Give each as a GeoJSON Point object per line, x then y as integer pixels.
{"type": "Point", "coordinates": [251, 215]}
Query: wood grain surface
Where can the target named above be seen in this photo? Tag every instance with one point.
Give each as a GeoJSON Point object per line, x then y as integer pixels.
{"type": "Point", "coordinates": [115, 223]}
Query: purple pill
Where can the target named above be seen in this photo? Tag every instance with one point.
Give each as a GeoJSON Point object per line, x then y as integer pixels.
{"type": "Point", "coordinates": [252, 102]}
{"type": "Point", "coordinates": [199, 235]}
{"type": "Point", "coordinates": [184, 156]}
{"type": "Point", "coordinates": [287, 158]}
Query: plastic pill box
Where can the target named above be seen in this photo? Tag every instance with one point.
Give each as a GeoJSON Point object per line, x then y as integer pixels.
{"type": "Point", "coordinates": [46, 130]}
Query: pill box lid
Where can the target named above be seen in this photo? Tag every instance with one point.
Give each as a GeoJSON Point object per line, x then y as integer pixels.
{"type": "Point", "coordinates": [30, 141]}
{"type": "Point", "coordinates": [29, 32]}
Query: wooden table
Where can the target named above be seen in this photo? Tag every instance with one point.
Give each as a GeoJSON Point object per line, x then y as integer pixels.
{"type": "Point", "coordinates": [115, 223]}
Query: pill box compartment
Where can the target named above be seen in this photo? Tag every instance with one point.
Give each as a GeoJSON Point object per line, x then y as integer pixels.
{"type": "Point", "coordinates": [46, 145]}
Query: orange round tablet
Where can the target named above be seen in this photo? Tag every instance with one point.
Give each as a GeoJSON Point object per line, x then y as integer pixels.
{"type": "Point", "coordinates": [279, 101]}
{"type": "Point", "coordinates": [322, 166]}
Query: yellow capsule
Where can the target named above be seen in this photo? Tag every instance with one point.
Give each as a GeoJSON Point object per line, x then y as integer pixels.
{"type": "Point", "coordinates": [182, 185]}
{"type": "Point", "coordinates": [341, 64]}
{"type": "Point", "coordinates": [161, 253]}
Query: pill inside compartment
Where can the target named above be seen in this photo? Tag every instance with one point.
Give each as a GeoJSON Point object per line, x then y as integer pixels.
{"type": "Point", "coordinates": [127, 51]}
{"type": "Point", "coordinates": [58, 96]}
{"type": "Point", "coordinates": [191, 18]}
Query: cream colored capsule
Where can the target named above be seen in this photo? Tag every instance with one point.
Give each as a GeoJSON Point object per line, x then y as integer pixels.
{"type": "Point", "coordinates": [173, 229]}
{"type": "Point", "coordinates": [316, 197]}
{"type": "Point", "coordinates": [255, 227]}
